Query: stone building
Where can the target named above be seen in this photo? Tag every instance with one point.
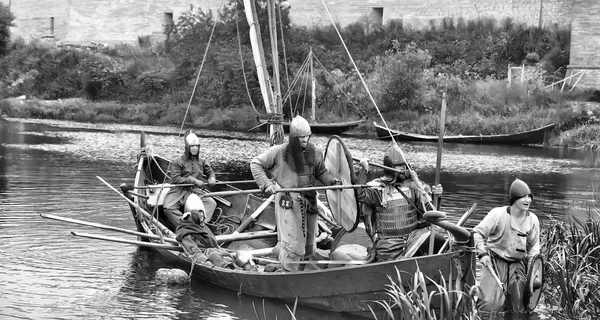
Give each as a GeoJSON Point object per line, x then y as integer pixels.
{"type": "Point", "coordinates": [123, 21]}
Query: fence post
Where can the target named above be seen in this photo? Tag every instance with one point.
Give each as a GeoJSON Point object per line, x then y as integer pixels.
{"type": "Point", "coordinates": [509, 77]}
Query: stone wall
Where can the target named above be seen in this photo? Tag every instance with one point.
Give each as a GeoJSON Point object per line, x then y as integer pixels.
{"type": "Point", "coordinates": [114, 21]}
{"type": "Point", "coordinates": [585, 44]}
{"type": "Point", "coordinates": [123, 21]}
{"type": "Point", "coordinates": [344, 12]}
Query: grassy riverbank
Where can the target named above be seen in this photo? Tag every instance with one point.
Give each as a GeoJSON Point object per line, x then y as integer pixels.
{"type": "Point", "coordinates": [578, 123]}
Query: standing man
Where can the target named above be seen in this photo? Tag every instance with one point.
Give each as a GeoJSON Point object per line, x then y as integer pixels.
{"type": "Point", "coordinates": [188, 169]}
{"type": "Point", "coordinates": [295, 164]}
{"type": "Point", "coordinates": [506, 239]}
{"type": "Point", "coordinates": [393, 207]}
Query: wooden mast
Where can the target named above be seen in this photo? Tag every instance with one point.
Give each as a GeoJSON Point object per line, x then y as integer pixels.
{"type": "Point", "coordinates": [272, 100]}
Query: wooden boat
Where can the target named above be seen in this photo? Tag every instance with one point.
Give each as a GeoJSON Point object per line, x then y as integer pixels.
{"type": "Point", "coordinates": [348, 289]}
{"type": "Point", "coordinates": [329, 128]}
{"type": "Point", "coordinates": [535, 136]}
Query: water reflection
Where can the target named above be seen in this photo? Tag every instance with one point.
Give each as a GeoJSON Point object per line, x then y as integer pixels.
{"type": "Point", "coordinates": [48, 274]}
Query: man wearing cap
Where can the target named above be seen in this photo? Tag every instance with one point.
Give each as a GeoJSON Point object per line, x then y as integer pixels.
{"type": "Point", "coordinates": [506, 239]}
{"type": "Point", "coordinates": [295, 164]}
{"type": "Point", "coordinates": [189, 169]}
{"type": "Point", "coordinates": [392, 209]}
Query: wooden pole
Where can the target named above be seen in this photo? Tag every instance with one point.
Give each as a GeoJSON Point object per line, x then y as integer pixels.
{"type": "Point", "coordinates": [438, 168]}
{"type": "Point", "coordinates": [105, 227]}
{"type": "Point", "coordinates": [254, 215]}
{"type": "Point", "coordinates": [255, 191]}
{"type": "Point", "coordinates": [137, 243]}
{"type": "Point", "coordinates": [160, 226]}
{"type": "Point", "coordinates": [381, 166]}
{"type": "Point", "coordinates": [460, 223]}
{"type": "Point", "coordinates": [313, 88]}
{"type": "Point", "coordinates": [438, 165]}
{"type": "Point", "coordinates": [185, 185]}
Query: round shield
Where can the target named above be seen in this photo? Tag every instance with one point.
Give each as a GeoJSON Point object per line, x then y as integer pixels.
{"type": "Point", "coordinates": [533, 286]}
{"type": "Point", "coordinates": [342, 203]}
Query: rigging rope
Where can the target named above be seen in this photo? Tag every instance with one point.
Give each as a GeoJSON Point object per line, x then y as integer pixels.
{"type": "Point", "coordinates": [337, 84]}
{"type": "Point", "coordinates": [287, 75]}
{"type": "Point", "coordinates": [212, 32]}
{"type": "Point", "coordinates": [358, 72]}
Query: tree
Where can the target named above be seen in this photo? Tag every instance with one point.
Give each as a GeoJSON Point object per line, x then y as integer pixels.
{"type": "Point", "coordinates": [6, 21]}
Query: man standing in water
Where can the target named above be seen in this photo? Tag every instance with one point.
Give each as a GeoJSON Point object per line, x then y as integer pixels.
{"type": "Point", "coordinates": [506, 239]}
{"type": "Point", "coordinates": [295, 164]}
{"type": "Point", "coordinates": [188, 169]}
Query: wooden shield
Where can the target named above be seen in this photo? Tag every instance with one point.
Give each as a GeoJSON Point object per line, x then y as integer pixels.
{"type": "Point", "coordinates": [534, 284]}
{"type": "Point", "coordinates": [342, 203]}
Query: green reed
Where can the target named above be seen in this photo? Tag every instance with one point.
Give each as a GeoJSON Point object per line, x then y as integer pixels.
{"type": "Point", "coordinates": [416, 301]}
{"type": "Point", "coordinates": [572, 273]}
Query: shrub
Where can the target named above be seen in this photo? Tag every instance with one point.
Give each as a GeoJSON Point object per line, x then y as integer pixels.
{"type": "Point", "coordinates": [6, 21]}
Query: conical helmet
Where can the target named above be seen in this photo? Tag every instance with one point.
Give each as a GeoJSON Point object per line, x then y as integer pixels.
{"type": "Point", "coordinates": [299, 127]}
{"type": "Point", "coordinates": [192, 140]}
{"type": "Point", "coordinates": [393, 157]}
{"type": "Point", "coordinates": [518, 189]}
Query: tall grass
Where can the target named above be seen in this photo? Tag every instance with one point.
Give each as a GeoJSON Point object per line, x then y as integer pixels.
{"type": "Point", "coordinates": [416, 301]}
{"type": "Point", "coordinates": [572, 271]}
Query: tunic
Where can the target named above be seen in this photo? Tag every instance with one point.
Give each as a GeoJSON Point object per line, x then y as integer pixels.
{"type": "Point", "coordinates": [296, 226]}
{"type": "Point", "coordinates": [510, 246]}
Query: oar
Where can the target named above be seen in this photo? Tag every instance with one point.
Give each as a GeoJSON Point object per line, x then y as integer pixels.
{"type": "Point", "coordinates": [254, 215]}
{"type": "Point", "coordinates": [184, 185]}
{"type": "Point", "coordinates": [257, 252]}
{"type": "Point", "coordinates": [381, 166]}
{"type": "Point", "coordinates": [460, 223]}
{"type": "Point", "coordinates": [495, 276]}
{"type": "Point", "coordinates": [138, 243]}
{"type": "Point", "coordinates": [106, 227]}
{"type": "Point", "coordinates": [222, 237]}
{"type": "Point", "coordinates": [352, 262]}
{"type": "Point", "coordinates": [438, 166]}
{"type": "Point", "coordinates": [459, 233]}
{"type": "Point", "coordinates": [246, 236]}
{"type": "Point", "coordinates": [255, 191]}
{"type": "Point", "coordinates": [159, 225]}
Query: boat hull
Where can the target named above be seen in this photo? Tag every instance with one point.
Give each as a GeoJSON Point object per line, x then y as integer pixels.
{"type": "Point", "coordinates": [322, 128]}
{"type": "Point", "coordinates": [349, 289]}
{"type": "Point", "coordinates": [536, 136]}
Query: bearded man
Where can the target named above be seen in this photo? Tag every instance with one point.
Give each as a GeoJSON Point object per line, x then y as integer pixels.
{"type": "Point", "coordinates": [295, 164]}
{"type": "Point", "coordinates": [393, 207]}
{"type": "Point", "coordinates": [189, 169]}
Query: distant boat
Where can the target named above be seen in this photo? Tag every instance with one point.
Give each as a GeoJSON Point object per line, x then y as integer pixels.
{"type": "Point", "coordinates": [319, 128]}
{"type": "Point", "coordinates": [535, 136]}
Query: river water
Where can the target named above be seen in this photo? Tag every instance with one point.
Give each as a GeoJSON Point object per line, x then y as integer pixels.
{"type": "Point", "coordinates": [50, 167]}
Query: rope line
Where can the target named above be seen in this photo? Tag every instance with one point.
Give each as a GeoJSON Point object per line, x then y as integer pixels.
{"type": "Point", "coordinates": [358, 72]}
{"type": "Point", "coordinates": [287, 75]}
{"type": "Point", "coordinates": [212, 32]}
{"type": "Point", "coordinates": [335, 82]}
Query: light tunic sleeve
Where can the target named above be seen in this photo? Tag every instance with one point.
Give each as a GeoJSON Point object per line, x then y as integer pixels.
{"type": "Point", "coordinates": [483, 230]}
{"type": "Point", "coordinates": [261, 164]}
{"type": "Point", "coordinates": [533, 238]}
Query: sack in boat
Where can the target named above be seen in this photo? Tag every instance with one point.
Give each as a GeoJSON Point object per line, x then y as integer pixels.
{"type": "Point", "coordinates": [220, 258]}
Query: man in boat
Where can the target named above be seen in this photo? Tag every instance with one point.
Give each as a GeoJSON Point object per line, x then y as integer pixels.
{"type": "Point", "coordinates": [189, 169]}
{"type": "Point", "coordinates": [393, 208]}
{"type": "Point", "coordinates": [295, 164]}
{"type": "Point", "coordinates": [506, 240]}
{"type": "Point", "coordinates": [201, 244]}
